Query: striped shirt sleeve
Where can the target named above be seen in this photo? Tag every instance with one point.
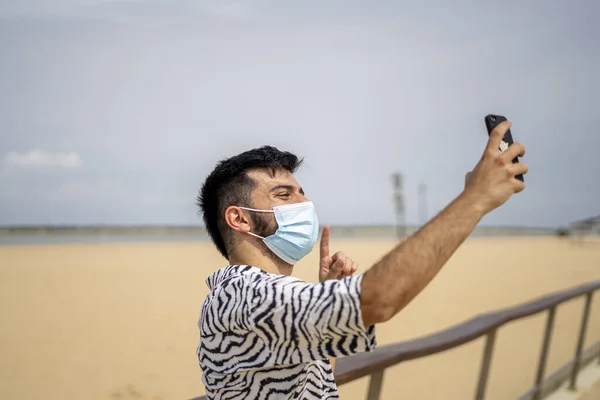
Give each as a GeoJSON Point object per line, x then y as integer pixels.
{"type": "Point", "coordinates": [301, 321]}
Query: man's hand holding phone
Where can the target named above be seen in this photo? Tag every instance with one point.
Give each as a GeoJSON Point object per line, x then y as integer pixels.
{"type": "Point", "coordinates": [494, 179]}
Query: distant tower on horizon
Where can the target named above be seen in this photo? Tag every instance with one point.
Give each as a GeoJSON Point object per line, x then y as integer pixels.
{"type": "Point", "coordinates": [423, 217]}
{"type": "Point", "coordinates": [399, 203]}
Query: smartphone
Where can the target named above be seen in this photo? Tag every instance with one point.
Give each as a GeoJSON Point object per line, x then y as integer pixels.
{"type": "Point", "coordinates": [491, 121]}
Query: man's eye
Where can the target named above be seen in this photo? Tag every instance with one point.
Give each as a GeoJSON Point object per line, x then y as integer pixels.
{"type": "Point", "coordinates": [283, 195]}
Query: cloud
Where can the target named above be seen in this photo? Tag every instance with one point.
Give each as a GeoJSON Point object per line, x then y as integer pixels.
{"type": "Point", "coordinates": [41, 159]}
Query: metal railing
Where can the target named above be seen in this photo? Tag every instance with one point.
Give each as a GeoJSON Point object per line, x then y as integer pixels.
{"type": "Point", "coordinates": [374, 363]}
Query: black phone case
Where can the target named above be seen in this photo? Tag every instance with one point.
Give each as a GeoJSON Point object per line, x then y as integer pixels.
{"type": "Point", "coordinates": [493, 120]}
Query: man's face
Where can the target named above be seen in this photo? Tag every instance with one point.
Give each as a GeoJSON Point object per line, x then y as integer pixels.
{"type": "Point", "coordinates": [272, 190]}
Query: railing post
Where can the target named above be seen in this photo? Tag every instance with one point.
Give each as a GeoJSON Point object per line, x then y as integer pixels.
{"type": "Point", "coordinates": [544, 354]}
{"type": "Point", "coordinates": [579, 349]}
{"type": "Point", "coordinates": [485, 365]}
{"type": "Point", "coordinates": [375, 385]}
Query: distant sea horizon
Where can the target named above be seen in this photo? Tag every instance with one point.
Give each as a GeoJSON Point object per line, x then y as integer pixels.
{"type": "Point", "coordinates": [90, 234]}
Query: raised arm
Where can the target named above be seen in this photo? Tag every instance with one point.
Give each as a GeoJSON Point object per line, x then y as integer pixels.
{"type": "Point", "coordinates": [405, 271]}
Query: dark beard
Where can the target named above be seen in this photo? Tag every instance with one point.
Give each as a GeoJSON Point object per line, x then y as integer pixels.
{"type": "Point", "coordinates": [265, 225]}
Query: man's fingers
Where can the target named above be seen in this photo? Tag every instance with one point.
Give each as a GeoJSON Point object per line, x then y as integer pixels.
{"type": "Point", "coordinates": [518, 169]}
{"type": "Point", "coordinates": [325, 241]}
{"type": "Point", "coordinates": [515, 150]}
{"type": "Point", "coordinates": [347, 269]}
{"type": "Point", "coordinates": [519, 186]}
{"type": "Point", "coordinates": [342, 266]}
{"type": "Point", "coordinates": [338, 255]}
{"type": "Point", "coordinates": [497, 135]}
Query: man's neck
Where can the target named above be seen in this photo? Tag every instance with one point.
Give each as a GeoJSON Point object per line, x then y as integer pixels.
{"type": "Point", "coordinates": [263, 259]}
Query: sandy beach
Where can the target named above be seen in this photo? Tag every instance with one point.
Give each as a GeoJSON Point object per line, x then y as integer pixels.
{"type": "Point", "coordinates": [118, 321]}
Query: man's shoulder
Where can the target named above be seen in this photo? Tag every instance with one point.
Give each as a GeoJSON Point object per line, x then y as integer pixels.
{"type": "Point", "coordinates": [232, 272]}
{"type": "Point", "coordinates": [243, 274]}
{"type": "Point", "coordinates": [247, 284]}
{"type": "Point", "coordinates": [236, 282]}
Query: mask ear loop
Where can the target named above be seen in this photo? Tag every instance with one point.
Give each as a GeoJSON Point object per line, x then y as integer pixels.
{"type": "Point", "coordinates": [254, 209]}
{"type": "Point", "coordinates": [255, 235]}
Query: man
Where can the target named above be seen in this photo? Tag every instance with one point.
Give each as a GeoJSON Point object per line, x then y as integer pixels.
{"type": "Point", "coordinates": [267, 335]}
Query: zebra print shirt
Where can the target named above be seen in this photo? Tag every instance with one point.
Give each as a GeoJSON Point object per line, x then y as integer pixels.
{"type": "Point", "coordinates": [266, 336]}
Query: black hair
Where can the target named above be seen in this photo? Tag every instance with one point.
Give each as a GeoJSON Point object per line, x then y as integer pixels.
{"type": "Point", "coordinates": [229, 185]}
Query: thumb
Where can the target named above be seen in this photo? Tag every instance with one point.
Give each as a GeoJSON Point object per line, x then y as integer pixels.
{"type": "Point", "coordinates": [335, 269]}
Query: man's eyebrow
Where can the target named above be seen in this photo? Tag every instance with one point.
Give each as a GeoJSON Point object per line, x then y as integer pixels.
{"type": "Point", "coordinates": [288, 187]}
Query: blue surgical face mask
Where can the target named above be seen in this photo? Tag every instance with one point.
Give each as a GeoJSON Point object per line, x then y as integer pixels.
{"type": "Point", "coordinates": [297, 232]}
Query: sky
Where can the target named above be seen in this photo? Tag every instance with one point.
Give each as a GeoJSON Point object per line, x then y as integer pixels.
{"type": "Point", "coordinates": [114, 112]}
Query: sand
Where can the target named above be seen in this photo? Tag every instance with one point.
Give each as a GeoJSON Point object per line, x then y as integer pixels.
{"type": "Point", "coordinates": [118, 321]}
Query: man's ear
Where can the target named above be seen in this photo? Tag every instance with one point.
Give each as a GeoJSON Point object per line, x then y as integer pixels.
{"type": "Point", "coordinates": [237, 219]}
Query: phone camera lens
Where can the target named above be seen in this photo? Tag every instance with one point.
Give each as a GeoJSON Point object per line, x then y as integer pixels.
{"type": "Point", "coordinates": [493, 119]}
